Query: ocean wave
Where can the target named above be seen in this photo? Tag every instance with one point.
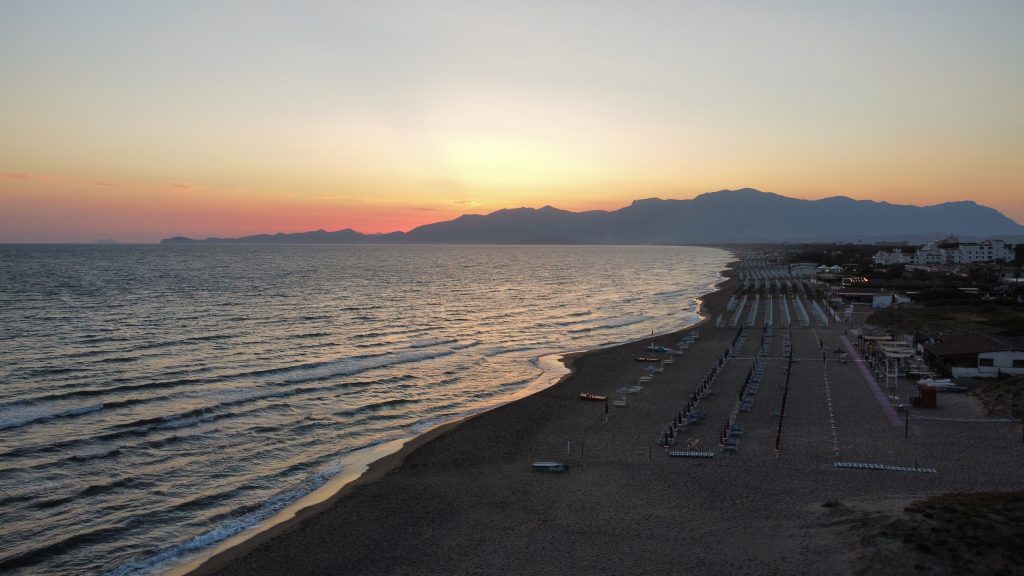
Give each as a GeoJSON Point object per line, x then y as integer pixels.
{"type": "Point", "coordinates": [671, 293]}
{"type": "Point", "coordinates": [191, 340]}
{"type": "Point", "coordinates": [34, 556]}
{"type": "Point", "coordinates": [171, 440]}
{"type": "Point", "coordinates": [22, 414]}
{"type": "Point", "coordinates": [611, 323]}
{"type": "Point", "coordinates": [52, 371]}
{"type": "Point", "coordinates": [500, 350]}
{"type": "Point", "coordinates": [309, 335]}
{"type": "Point", "coordinates": [373, 406]}
{"type": "Point", "coordinates": [157, 385]}
{"type": "Point", "coordinates": [351, 366]}
{"type": "Point", "coordinates": [465, 344]}
{"type": "Point", "coordinates": [428, 342]}
{"type": "Point", "coordinates": [117, 359]}
{"type": "Point", "coordinates": [227, 529]}
{"type": "Point", "coordinates": [193, 417]}
{"type": "Point", "coordinates": [96, 454]}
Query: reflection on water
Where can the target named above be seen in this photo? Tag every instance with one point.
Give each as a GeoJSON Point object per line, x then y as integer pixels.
{"type": "Point", "coordinates": [156, 400]}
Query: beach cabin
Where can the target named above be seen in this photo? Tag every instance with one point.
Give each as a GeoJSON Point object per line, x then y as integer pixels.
{"type": "Point", "coordinates": [992, 364]}
{"type": "Point", "coordinates": [976, 355]}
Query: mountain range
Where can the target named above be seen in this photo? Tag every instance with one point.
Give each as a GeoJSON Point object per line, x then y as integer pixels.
{"type": "Point", "coordinates": [723, 217]}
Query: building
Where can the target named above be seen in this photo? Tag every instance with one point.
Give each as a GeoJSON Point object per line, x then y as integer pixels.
{"type": "Point", "coordinates": [891, 258]}
{"type": "Point", "coordinates": [987, 251]}
{"type": "Point", "coordinates": [948, 251]}
{"type": "Point", "coordinates": [975, 355]}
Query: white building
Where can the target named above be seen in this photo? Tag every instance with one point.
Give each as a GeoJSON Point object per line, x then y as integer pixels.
{"type": "Point", "coordinates": [973, 355]}
{"type": "Point", "coordinates": [891, 258]}
{"type": "Point", "coordinates": [949, 251]}
{"type": "Point", "coordinates": [992, 364]}
{"type": "Point", "coordinates": [987, 251]}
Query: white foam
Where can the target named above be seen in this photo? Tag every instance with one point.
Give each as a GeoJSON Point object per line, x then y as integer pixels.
{"type": "Point", "coordinates": [350, 366]}
{"type": "Point", "coordinates": [161, 560]}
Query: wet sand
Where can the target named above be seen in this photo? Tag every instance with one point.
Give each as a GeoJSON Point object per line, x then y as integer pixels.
{"type": "Point", "coordinates": [464, 499]}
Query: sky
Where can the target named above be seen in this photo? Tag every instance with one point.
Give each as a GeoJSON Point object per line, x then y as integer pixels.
{"type": "Point", "coordinates": [138, 120]}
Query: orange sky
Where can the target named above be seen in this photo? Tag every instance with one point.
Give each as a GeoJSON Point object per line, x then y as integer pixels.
{"type": "Point", "coordinates": [230, 119]}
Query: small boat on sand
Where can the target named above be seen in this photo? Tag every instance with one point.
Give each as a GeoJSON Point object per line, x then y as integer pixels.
{"type": "Point", "coordinates": [937, 382]}
{"type": "Point", "coordinates": [642, 358]}
{"type": "Point", "coordinates": [654, 347]}
{"type": "Point", "coordinates": [589, 396]}
{"type": "Point", "coordinates": [550, 467]}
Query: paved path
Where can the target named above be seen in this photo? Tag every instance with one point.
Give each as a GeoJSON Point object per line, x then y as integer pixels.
{"type": "Point", "coordinates": [876, 388]}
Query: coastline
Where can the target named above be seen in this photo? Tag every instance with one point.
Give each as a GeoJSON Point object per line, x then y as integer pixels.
{"type": "Point", "coordinates": [296, 515]}
{"type": "Point", "coordinates": [464, 499]}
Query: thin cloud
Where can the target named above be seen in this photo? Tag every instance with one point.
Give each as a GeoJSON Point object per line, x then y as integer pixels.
{"type": "Point", "coordinates": [28, 176]}
{"type": "Point", "coordinates": [31, 177]}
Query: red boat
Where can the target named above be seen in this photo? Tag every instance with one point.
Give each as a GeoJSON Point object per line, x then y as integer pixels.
{"type": "Point", "coordinates": [589, 396]}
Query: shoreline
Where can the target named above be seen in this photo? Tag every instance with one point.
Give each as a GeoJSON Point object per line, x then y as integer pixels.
{"type": "Point", "coordinates": [294, 516]}
{"type": "Point", "coordinates": [465, 499]}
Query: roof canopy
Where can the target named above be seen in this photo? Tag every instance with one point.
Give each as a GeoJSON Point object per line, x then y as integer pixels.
{"type": "Point", "coordinates": [974, 343]}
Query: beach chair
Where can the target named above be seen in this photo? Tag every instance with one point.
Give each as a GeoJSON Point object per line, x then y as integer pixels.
{"type": "Point", "coordinates": [691, 454]}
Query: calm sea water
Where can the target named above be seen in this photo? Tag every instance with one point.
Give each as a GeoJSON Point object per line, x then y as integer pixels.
{"type": "Point", "coordinates": [157, 400]}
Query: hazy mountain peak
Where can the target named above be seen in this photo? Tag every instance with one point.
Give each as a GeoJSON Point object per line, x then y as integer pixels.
{"type": "Point", "coordinates": [738, 193]}
{"type": "Point", "coordinates": [726, 216]}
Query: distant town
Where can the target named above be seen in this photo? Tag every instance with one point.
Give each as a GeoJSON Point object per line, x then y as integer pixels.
{"type": "Point", "coordinates": [946, 312]}
{"type": "Point", "coordinates": [947, 251]}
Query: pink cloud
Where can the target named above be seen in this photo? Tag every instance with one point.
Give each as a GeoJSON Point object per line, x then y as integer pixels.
{"type": "Point", "coordinates": [31, 177]}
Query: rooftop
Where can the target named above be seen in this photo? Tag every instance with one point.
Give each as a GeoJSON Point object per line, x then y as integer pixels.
{"type": "Point", "coordinates": [974, 343]}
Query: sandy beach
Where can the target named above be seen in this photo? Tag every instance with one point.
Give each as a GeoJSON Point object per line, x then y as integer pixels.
{"type": "Point", "coordinates": [464, 498]}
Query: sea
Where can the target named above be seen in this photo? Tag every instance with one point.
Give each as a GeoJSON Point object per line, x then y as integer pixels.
{"type": "Point", "coordinates": [158, 400]}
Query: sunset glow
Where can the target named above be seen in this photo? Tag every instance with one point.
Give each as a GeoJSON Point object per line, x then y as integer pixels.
{"type": "Point", "coordinates": [141, 121]}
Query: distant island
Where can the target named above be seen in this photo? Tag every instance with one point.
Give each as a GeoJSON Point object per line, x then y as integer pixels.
{"type": "Point", "coordinates": [724, 217]}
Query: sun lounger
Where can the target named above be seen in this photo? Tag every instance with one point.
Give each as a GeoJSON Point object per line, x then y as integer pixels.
{"type": "Point", "coordinates": [550, 467]}
{"type": "Point", "coordinates": [868, 466]}
{"type": "Point", "coordinates": [691, 454]}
